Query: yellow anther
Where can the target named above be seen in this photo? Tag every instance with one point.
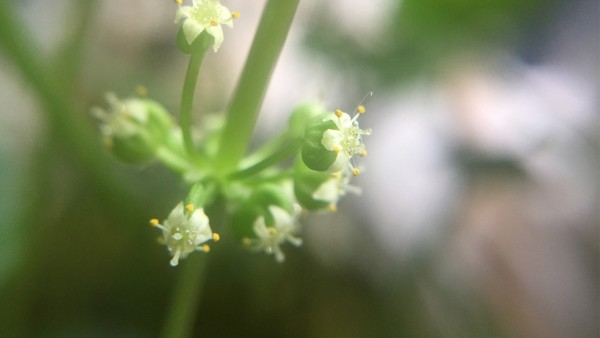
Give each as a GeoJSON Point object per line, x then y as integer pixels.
{"type": "Point", "coordinates": [178, 1]}
{"type": "Point", "coordinates": [363, 153]}
{"type": "Point", "coordinates": [216, 236]}
{"type": "Point", "coordinates": [190, 207]}
{"type": "Point", "coordinates": [332, 207]}
{"type": "Point", "coordinates": [205, 248]}
{"type": "Point", "coordinates": [336, 149]}
{"type": "Point", "coordinates": [338, 113]}
{"type": "Point", "coordinates": [235, 15]}
{"type": "Point", "coordinates": [108, 142]}
{"type": "Point", "coordinates": [272, 231]}
{"type": "Point", "coordinates": [141, 90]}
{"type": "Point", "coordinates": [355, 171]}
{"type": "Point", "coordinates": [336, 175]}
{"type": "Point", "coordinates": [213, 22]}
{"type": "Point", "coordinates": [154, 222]}
{"type": "Point", "coordinates": [361, 109]}
{"type": "Point", "coordinates": [246, 241]}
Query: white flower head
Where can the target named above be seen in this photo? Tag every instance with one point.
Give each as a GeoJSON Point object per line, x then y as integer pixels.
{"type": "Point", "coordinates": [334, 188]}
{"type": "Point", "coordinates": [270, 238]}
{"type": "Point", "coordinates": [346, 141]}
{"type": "Point", "coordinates": [185, 233]}
{"type": "Point", "coordinates": [123, 118]}
{"type": "Point", "coordinates": [205, 15]}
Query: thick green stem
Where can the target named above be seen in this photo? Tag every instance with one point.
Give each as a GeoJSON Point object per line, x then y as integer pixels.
{"type": "Point", "coordinates": [187, 97]}
{"type": "Point", "coordinates": [180, 317]}
{"type": "Point", "coordinates": [249, 94]}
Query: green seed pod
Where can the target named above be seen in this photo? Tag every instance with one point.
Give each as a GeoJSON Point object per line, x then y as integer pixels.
{"type": "Point", "coordinates": [314, 154]}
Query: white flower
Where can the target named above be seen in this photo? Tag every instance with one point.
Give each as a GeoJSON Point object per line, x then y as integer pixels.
{"type": "Point", "coordinates": [346, 141]}
{"type": "Point", "coordinates": [270, 238]}
{"type": "Point", "coordinates": [334, 188]}
{"type": "Point", "coordinates": [204, 15]}
{"type": "Point", "coordinates": [123, 118]}
{"type": "Point", "coordinates": [185, 233]}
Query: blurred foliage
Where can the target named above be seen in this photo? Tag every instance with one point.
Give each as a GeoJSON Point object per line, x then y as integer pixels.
{"type": "Point", "coordinates": [421, 37]}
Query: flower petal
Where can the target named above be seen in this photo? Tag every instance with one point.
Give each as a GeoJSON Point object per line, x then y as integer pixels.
{"type": "Point", "coordinates": [217, 33]}
{"type": "Point", "coordinates": [191, 30]}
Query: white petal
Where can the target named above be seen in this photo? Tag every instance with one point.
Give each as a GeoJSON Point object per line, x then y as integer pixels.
{"type": "Point", "coordinates": [281, 217]}
{"type": "Point", "coordinates": [332, 138]}
{"type": "Point", "coordinates": [341, 162]}
{"type": "Point", "coordinates": [182, 13]}
{"type": "Point", "coordinates": [260, 228]}
{"type": "Point", "coordinates": [217, 33]}
{"type": "Point", "coordinates": [327, 191]}
{"type": "Point", "coordinates": [191, 30]}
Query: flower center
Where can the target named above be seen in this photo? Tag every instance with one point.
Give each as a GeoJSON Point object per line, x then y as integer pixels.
{"type": "Point", "coordinates": [352, 139]}
{"type": "Point", "coordinates": [207, 13]}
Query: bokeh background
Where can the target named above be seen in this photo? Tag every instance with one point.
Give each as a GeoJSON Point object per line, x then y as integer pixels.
{"type": "Point", "coordinates": [479, 212]}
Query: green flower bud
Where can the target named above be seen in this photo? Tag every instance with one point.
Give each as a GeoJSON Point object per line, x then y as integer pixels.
{"type": "Point", "coordinates": [133, 128]}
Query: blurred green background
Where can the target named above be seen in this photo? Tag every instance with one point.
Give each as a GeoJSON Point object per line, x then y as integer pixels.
{"type": "Point", "coordinates": [479, 213]}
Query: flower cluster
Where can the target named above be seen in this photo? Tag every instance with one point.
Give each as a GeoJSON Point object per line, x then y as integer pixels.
{"type": "Point", "coordinates": [264, 199]}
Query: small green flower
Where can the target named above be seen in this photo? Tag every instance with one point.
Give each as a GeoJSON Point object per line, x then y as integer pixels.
{"type": "Point", "coordinates": [134, 127]}
{"type": "Point", "coordinates": [185, 232]}
{"type": "Point", "coordinates": [269, 237]}
{"type": "Point", "coordinates": [205, 15]}
{"type": "Point", "coordinates": [334, 188]}
{"type": "Point", "coordinates": [332, 141]}
{"type": "Point", "coordinates": [346, 140]}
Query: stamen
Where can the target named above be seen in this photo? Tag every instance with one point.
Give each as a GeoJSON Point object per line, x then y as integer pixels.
{"type": "Point", "coordinates": [361, 109]}
{"type": "Point", "coordinates": [175, 259]}
{"type": "Point", "coordinates": [235, 15]}
{"type": "Point", "coordinates": [336, 175]}
{"type": "Point", "coordinates": [272, 231]}
{"type": "Point", "coordinates": [154, 222]}
{"type": "Point", "coordinates": [213, 22]}
{"type": "Point", "coordinates": [363, 153]}
{"type": "Point", "coordinates": [336, 149]}
{"type": "Point", "coordinates": [178, 1]}
{"type": "Point", "coordinates": [216, 236]}
{"type": "Point", "coordinates": [205, 248]}
{"type": "Point", "coordinates": [142, 90]}
{"type": "Point", "coordinates": [355, 172]}
{"type": "Point", "coordinates": [246, 241]}
{"type": "Point", "coordinates": [190, 207]}
{"type": "Point", "coordinates": [108, 142]}
{"type": "Point", "coordinates": [332, 207]}
{"type": "Point", "coordinates": [338, 113]}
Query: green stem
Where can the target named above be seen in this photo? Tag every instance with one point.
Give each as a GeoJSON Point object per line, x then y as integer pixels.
{"type": "Point", "coordinates": [187, 99]}
{"type": "Point", "coordinates": [249, 94]}
{"type": "Point", "coordinates": [173, 160]}
{"type": "Point", "coordinates": [275, 158]}
{"type": "Point", "coordinates": [180, 317]}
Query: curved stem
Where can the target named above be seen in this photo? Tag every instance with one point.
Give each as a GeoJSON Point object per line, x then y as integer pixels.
{"type": "Point", "coordinates": [275, 158]}
{"type": "Point", "coordinates": [249, 94]}
{"type": "Point", "coordinates": [187, 95]}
